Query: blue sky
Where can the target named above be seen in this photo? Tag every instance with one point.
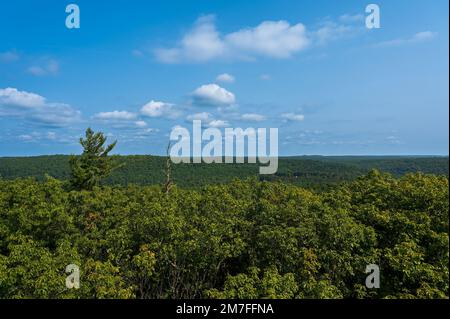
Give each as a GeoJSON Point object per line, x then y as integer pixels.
{"type": "Point", "coordinates": [136, 69]}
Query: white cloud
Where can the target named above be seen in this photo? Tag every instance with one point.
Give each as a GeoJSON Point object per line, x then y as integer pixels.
{"type": "Point", "coordinates": [331, 31]}
{"type": "Point", "coordinates": [14, 97]}
{"type": "Point", "coordinates": [351, 18]}
{"type": "Point", "coordinates": [33, 107]}
{"type": "Point", "coordinates": [32, 137]}
{"type": "Point", "coordinates": [26, 137]}
{"type": "Point", "coordinates": [202, 43]}
{"type": "Point", "coordinates": [276, 39]}
{"type": "Point", "coordinates": [47, 136]}
{"type": "Point", "coordinates": [140, 123]}
{"type": "Point", "coordinates": [218, 123]}
{"type": "Point", "coordinates": [225, 77]}
{"type": "Point", "coordinates": [253, 117]}
{"type": "Point", "coordinates": [347, 25]}
{"type": "Point", "coordinates": [264, 77]}
{"type": "Point", "coordinates": [122, 120]}
{"type": "Point", "coordinates": [56, 114]}
{"type": "Point", "coordinates": [292, 117]}
{"type": "Point", "coordinates": [419, 37]}
{"type": "Point", "coordinates": [51, 67]}
{"type": "Point", "coordinates": [212, 95]}
{"type": "Point", "coordinates": [207, 120]}
{"type": "Point", "coordinates": [142, 134]}
{"type": "Point", "coordinates": [392, 139]}
{"type": "Point", "coordinates": [159, 109]}
{"type": "Point", "coordinates": [424, 36]}
{"type": "Point", "coordinates": [202, 116]}
{"type": "Point", "coordinates": [177, 127]}
{"type": "Point", "coordinates": [115, 115]}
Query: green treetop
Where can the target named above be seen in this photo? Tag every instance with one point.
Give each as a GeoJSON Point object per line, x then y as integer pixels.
{"type": "Point", "coordinates": [94, 164]}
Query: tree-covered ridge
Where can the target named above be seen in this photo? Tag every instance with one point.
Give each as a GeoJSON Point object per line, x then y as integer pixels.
{"type": "Point", "coordinates": [244, 239]}
{"type": "Point", "coordinates": [313, 172]}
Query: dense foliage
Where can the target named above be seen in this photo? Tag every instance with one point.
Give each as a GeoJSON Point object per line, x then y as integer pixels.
{"type": "Point", "coordinates": [312, 172]}
{"type": "Point", "coordinates": [244, 239]}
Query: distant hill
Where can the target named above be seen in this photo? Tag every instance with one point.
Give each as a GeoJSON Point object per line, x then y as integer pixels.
{"type": "Point", "coordinates": [314, 172]}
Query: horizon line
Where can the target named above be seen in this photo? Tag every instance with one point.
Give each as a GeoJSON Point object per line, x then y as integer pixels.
{"type": "Point", "coordinates": [280, 156]}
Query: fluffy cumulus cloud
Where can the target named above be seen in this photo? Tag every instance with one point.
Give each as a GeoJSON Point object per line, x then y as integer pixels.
{"type": "Point", "coordinates": [275, 39]}
{"type": "Point", "coordinates": [14, 97]}
{"type": "Point", "coordinates": [269, 39]}
{"type": "Point", "coordinates": [225, 78]}
{"type": "Point", "coordinates": [212, 95]}
{"type": "Point", "coordinates": [292, 117]}
{"type": "Point", "coordinates": [160, 109]}
{"type": "Point", "coordinates": [34, 107]}
{"type": "Point", "coordinates": [201, 43]}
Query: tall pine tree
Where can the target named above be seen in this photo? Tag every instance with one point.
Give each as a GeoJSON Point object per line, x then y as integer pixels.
{"type": "Point", "coordinates": [94, 164]}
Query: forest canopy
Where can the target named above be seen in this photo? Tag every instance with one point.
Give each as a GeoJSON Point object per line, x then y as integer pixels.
{"type": "Point", "coordinates": [312, 172]}
{"type": "Point", "coordinates": [243, 239]}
